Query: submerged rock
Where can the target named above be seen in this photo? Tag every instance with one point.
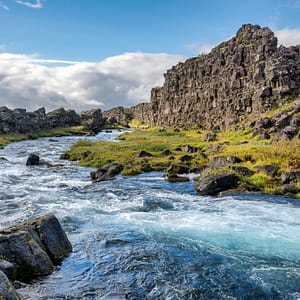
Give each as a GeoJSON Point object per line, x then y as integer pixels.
{"type": "Point", "coordinates": [107, 172]}
{"type": "Point", "coordinates": [33, 160]}
{"type": "Point", "coordinates": [214, 184]}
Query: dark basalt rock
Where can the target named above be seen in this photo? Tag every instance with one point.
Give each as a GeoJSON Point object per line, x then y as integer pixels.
{"type": "Point", "coordinates": [64, 156]}
{"type": "Point", "coordinates": [185, 158]}
{"type": "Point", "coordinates": [107, 172]}
{"type": "Point", "coordinates": [219, 161]}
{"type": "Point", "coordinates": [214, 184]}
{"type": "Point", "coordinates": [291, 176]}
{"type": "Point", "coordinates": [171, 177]}
{"type": "Point", "coordinates": [33, 160]}
{"type": "Point", "coordinates": [270, 170]}
{"type": "Point", "coordinates": [35, 246]}
{"type": "Point", "coordinates": [143, 153]}
{"type": "Point", "coordinates": [244, 171]}
{"type": "Point", "coordinates": [7, 290]}
{"type": "Point", "coordinates": [166, 152]}
{"type": "Point", "coordinates": [210, 137]}
{"type": "Point", "coordinates": [178, 169]}
{"type": "Point", "coordinates": [92, 120]}
{"type": "Point", "coordinates": [8, 269]}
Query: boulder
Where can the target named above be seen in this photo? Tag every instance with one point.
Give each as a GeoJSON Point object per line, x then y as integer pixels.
{"type": "Point", "coordinates": [291, 176]}
{"type": "Point", "coordinates": [166, 152]}
{"type": "Point", "coordinates": [143, 153]}
{"type": "Point", "coordinates": [7, 290]}
{"type": "Point", "coordinates": [8, 268]}
{"type": "Point", "coordinates": [107, 172]}
{"type": "Point", "coordinates": [65, 156]}
{"type": "Point", "coordinates": [92, 120]}
{"type": "Point", "coordinates": [185, 158]}
{"type": "Point", "coordinates": [52, 236]}
{"type": "Point", "coordinates": [189, 149]}
{"type": "Point", "coordinates": [244, 171]}
{"type": "Point", "coordinates": [35, 246]}
{"type": "Point", "coordinates": [171, 177]}
{"type": "Point", "coordinates": [23, 248]}
{"type": "Point", "coordinates": [270, 170]}
{"type": "Point", "coordinates": [225, 160]}
{"type": "Point", "coordinates": [178, 169]}
{"type": "Point", "coordinates": [210, 137]}
{"type": "Point", "coordinates": [214, 184]}
{"type": "Point", "coordinates": [33, 160]}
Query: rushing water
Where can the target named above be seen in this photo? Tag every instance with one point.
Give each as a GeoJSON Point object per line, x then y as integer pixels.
{"type": "Point", "coordinates": [142, 237]}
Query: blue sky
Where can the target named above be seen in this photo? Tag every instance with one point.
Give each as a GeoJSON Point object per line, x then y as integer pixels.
{"type": "Point", "coordinates": [92, 30]}
{"type": "Point", "coordinates": [43, 37]}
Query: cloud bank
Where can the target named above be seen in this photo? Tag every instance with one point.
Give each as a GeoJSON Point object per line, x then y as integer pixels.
{"type": "Point", "coordinates": [127, 79]}
{"type": "Point", "coordinates": [288, 37]}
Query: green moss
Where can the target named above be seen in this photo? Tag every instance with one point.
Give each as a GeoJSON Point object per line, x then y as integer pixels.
{"type": "Point", "coordinates": [6, 139]}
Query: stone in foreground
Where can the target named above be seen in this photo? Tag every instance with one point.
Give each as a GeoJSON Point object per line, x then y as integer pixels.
{"type": "Point", "coordinates": [35, 246]}
{"type": "Point", "coordinates": [7, 291]}
{"type": "Point", "coordinates": [214, 184]}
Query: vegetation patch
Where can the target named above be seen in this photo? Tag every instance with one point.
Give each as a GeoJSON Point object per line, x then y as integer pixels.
{"type": "Point", "coordinates": [230, 143]}
{"type": "Point", "coordinates": [6, 139]}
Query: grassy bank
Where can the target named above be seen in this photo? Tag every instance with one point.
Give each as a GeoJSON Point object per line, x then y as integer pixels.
{"type": "Point", "coordinates": [6, 139]}
{"type": "Point", "coordinates": [250, 151]}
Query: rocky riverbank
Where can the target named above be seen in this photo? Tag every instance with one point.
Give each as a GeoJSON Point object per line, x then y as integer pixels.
{"type": "Point", "coordinates": [30, 250]}
{"type": "Point", "coordinates": [260, 154]}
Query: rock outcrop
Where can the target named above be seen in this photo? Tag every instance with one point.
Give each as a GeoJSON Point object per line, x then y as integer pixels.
{"type": "Point", "coordinates": [20, 121]}
{"type": "Point", "coordinates": [247, 74]}
{"type": "Point", "coordinates": [92, 120]}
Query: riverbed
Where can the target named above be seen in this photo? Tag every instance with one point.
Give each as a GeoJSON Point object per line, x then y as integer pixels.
{"type": "Point", "coordinates": [142, 237]}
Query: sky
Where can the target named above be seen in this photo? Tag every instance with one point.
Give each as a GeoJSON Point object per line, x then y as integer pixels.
{"type": "Point", "coordinates": [104, 53]}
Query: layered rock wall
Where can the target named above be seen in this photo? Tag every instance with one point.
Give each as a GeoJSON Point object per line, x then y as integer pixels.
{"type": "Point", "coordinates": [247, 74]}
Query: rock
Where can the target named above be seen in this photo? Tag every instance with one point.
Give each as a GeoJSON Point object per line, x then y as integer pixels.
{"type": "Point", "coordinates": [65, 156]}
{"type": "Point", "coordinates": [107, 172]}
{"type": "Point", "coordinates": [199, 169]}
{"type": "Point", "coordinates": [85, 154]}
{"type": "Point", "coordinates": [189, 149]}
{"type": "Point", "coordinates": [8, 269]}
{"type": "Point", "coordinates": [214, 184]}
{"type": "Point", "coordinates": [117, 116]}
{"type": "Point", "coordinates": [291, 176]}
{"type": "Point", "coordinates": [143, 153]}
{"type": "Point", "coordinates": [33, 160]}
{"type": "Point", "coordinates": [244, 171]}
{"type": "Point", "coordinates": [219, 161]}
{"type": "Point", "coordinates": [35, 246]}
{"type": "Point", "coordinates": [270, 170]}
{"type": "Point", "coordinates": [92, 120]}
{"type": "Point", "coordinates": [7, 290]}
{"type": "Point", "coordinates": [206, 91]}
{"type": "Point", "coordinates": [52, 237]}
{"type": "Point", "coordinates": [178, 169]}
{"type": "Point", "coordinates": [166, 152]}
{"type": "Point", "coordinates": [210, 137]}
{"type": "Point", "coordinates": [171, 177]}
{"type": "Point", "coordinates": [23, 248]}
{"type": "Point", "coordinates": [63, 118]}
{"type": "Point", "coordinates": [185, 158]}
{"type": "Point", "coordinates": [146, 168]}
{"type": "Point", "coordinates": [289, 188]}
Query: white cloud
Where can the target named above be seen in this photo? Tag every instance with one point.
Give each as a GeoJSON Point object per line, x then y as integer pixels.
{"type": "Point", "coordinates": [4, 6]}
{"type": "Point", "coordinates": [37, 4]}
{"type": "Point", "coordinates": [127, 79]}
{"type": "Point", "coordinates": [288, 37]}
{"type": "Point", "coordinates": [200, 48]}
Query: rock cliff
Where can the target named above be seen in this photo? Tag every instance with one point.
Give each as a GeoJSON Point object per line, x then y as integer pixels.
{"type": "Point", "coordinates": [247, 74]}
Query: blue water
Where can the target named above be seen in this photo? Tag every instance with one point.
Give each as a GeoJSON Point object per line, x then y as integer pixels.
{"type": "Point", "coordinates": [142, 237]}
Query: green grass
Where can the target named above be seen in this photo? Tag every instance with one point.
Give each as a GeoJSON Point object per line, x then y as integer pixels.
{"type": "Point", "coordinates": [6, 139]}
{"type": "Point", "coordinates": [284, 154]}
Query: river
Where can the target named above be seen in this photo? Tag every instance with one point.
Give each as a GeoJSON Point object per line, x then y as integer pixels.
{"type": "Point", "coordinates": [142, 237]}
